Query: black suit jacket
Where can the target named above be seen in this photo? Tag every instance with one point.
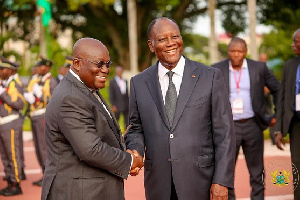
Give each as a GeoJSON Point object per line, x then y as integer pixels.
{"type": "Point", "coordinates": [85, 153]}
{"type": "Point", "coordinates": [116, 98]}
{"type": "Point", "coordinates": [286, 97]}
{"type": "Point", "coordinates": [260, 76]}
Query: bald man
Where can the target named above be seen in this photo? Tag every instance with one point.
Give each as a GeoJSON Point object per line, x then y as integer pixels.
{"type": "Point", "coordinates": [85, 152]}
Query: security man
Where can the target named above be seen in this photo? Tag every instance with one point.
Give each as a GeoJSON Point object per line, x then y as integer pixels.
{"type": "Point", "coordinates": [11, 121]}
{"type": "Point", "coordinates": [38, 94]}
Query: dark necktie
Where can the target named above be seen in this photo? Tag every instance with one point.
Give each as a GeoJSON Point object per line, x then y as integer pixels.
{"type": "Point", "coordinates": [170, 99]}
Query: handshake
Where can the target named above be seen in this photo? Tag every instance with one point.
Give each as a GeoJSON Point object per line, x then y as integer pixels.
{"type": "Point", "coordinates": [137, 163]}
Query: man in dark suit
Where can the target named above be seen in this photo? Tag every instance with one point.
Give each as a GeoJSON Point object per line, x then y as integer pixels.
{"type": "Point", "coordinates": [118, 95]}
{"type": "Point", "coordinates": [288, 114]}
{"type": "Point", "coordinates": [245, 80]}
{"type": "Point", "coordinates": [85, 152]}
{"type": "Point", "coordinates": [181, 119]}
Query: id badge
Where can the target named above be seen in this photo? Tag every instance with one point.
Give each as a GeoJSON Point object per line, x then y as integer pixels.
{"type": "Point", "coordinates": [298, 102]}
{"type": "Point", "coordinates": [237, 106]}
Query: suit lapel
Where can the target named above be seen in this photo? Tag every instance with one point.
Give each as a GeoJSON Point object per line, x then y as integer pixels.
{"type": "Point", "coordinates": [294, 68]}
{"type": "Point", "coordinates": [113, 125]}
{"type": "Point", "coordinates": [189, 80]}
{"type": "Point", "coordinates": [225, 72]}
{"type": "Point", "coordinates": [251, 69]}
{"type": "Point", "coordinates": [155, 90]}
{"type": "Point", "coordinates": [110, 118]}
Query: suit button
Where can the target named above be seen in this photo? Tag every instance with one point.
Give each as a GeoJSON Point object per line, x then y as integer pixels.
{"type": "Point", "coordinates": [171, 135]}
{"type": "Point", "coordinates": [169, 159]}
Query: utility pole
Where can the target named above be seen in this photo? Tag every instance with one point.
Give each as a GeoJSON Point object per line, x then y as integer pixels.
{"type": "Point", "coordinates": [213, 46]}
{"type": "Point", "coordinates": [132, 32]}
{"type": "Point", "coordinates": [252, 28]}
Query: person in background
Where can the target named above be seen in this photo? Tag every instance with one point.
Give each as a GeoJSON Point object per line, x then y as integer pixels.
{"type": "Point", "coordinates": [38, 94]}
{"type": "Point", "coordinates": [245, 80]}
{"type": "Point", "coordinates": [64, 69]}
{"type": "Point", "coordinates": [11, 121]}
{"type": "Point", "coordinates": [86, 155]}
{"type": "Point", "coordinates": [288, 109]}
{"type": "Point", "coordinates": [118, 95]}
{"type": "Point", "coordinates": [270, 115]}
{"type": "Point", "coordinates": [180, 118]}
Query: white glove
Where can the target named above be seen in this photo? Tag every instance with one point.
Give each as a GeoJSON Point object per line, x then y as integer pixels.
{"type": "Point", "coordinates": [29, 97]}
{"type": "Point", "coordinates": [2, 90]}
{"type": "Point", "coordinates": [37, 90]}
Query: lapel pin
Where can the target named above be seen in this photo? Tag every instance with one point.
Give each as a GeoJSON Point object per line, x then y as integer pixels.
{"type": "Point", "coordinates": [193, 76]}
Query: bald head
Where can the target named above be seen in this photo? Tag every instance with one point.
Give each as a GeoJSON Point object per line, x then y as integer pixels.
{"type": "Point", "coordinates": [150, 27]}
{"type": "Point", "coordinates": [85, 47]}
{"type": "Point", "coordinates": [90, 58]}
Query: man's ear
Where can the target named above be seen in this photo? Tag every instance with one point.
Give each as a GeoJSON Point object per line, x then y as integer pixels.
{"type": "Point", "coordinates": [76, 64]}
{"type": "Point", "coordinates": [150, 46]}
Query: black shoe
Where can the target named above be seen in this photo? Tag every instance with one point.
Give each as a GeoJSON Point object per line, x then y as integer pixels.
{"type": "Point", "coordinates": [4, 189]}
{"type": "Point", "coordinates": [23, 176]}
{"type": "Point", "coordinates": [14, 189]}
{"type": "Point", "coordinates": [38, 183]}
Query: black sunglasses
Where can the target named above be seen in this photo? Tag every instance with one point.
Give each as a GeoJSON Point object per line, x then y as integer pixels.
{"type": "Point", "coordinates": [99, 64]}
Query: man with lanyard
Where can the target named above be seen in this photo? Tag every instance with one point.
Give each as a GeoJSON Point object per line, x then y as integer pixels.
{"type": "Point", "coordinates": [38, 96]}
{"type": "Point", "coordinates": [245, 80]}
{"type": "Point", "coordinates": [12, 102]}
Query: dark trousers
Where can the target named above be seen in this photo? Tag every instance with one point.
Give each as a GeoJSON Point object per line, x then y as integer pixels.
{"type": "Point", "coordinates": [10, 152]}
{"type": "Point", "coordinates": [39, 139]}
{"type": "Point", "coordinates": [295, 154]}
{"type": "Point", "coordinates": [249, 136]}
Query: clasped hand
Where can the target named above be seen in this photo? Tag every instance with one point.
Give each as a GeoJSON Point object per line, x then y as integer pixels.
{"type": "Point", "coordinates": [137, 163]}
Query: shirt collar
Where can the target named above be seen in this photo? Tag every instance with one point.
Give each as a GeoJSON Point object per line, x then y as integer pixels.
{"type": "Point", "coordinates": [244, 65]}
{"type": "Point", "coordinates": [177, 70]}
{"type": "Point", "coordinates": [76, 76]}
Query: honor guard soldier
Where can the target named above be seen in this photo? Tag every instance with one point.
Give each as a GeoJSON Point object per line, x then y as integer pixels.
{"type": "Point", "coordinates": [65, 68]}
{"type": "Point", "coordinates": [11, 121]}
{"type": "Point", "coordinates": [38, 94]}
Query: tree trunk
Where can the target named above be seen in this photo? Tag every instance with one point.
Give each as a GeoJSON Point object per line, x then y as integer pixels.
{"type": "Point", "coordinates": [213, 48]}
{"type": "Point", "coordinates": [252, 26]}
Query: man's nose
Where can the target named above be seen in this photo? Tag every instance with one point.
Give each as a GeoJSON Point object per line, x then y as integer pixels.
{"type": "Point", "coordinates": [170, 41]}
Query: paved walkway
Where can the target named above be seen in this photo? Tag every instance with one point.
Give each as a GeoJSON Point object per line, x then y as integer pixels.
{"type": "Point", "coordinates": [134, 190]}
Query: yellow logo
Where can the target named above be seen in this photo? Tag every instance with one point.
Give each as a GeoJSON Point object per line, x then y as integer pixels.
{"type": "Point", "coordinates": [280, 179]}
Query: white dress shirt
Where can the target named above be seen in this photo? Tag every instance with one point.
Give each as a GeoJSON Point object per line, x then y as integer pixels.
{"type": "Point", "coordinates": [177, 76]}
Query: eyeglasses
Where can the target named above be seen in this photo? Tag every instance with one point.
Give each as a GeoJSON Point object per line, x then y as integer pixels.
{"type": "Point", "coordinates": [99, 64]}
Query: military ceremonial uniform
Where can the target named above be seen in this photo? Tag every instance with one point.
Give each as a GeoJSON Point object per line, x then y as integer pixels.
{"type": "Point", "coordinates": [38, 96]}
{"type": "Point", "coordinates": [64, 69]}
{"type": "Point", "coordinates": [11, 121]}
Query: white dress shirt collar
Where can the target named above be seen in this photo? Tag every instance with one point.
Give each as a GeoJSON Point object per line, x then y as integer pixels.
{"type": "Point", "coordinates": [244, 65]}
{"type": "Point", "coordinates": [177, 70]}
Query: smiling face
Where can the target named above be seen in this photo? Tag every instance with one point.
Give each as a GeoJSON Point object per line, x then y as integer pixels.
{"type": "Point", "coordinates": [166, 42]}
{"type": "Point", "coordinates": [89, 73]}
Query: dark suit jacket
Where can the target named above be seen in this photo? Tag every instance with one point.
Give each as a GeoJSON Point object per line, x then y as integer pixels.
{"type": "Point", "coordinates": [121, 101]}
{"type": "Point", "coordinates": [85, 153]}
{"type": "Point", "coordinates": [260, 76]}
{"type": "Point", "coordinates": [199, 148]}
{"type": "Point", "coordinates": [286, 97]}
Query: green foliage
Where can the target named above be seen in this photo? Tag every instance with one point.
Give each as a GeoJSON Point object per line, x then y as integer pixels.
{"type": "Point", "coordinates": [233, 18]}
